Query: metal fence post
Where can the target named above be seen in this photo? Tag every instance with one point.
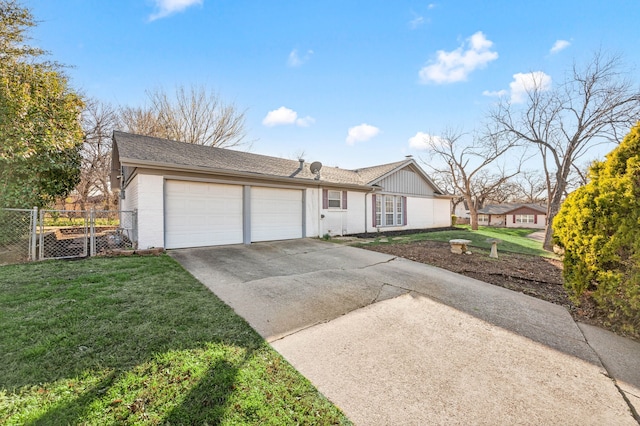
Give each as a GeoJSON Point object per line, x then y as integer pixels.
{"type": "Point", "coordinates": [41, 251]}
{"type": "Point", "coordinates": [92, 232]}
{"type": "Point", "coordinates": [33, 229]}
{"type": "Point", "coordinates": [134, 218]}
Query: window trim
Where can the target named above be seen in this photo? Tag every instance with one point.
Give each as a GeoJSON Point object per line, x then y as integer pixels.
{"type": "Point", "coordinates": [330, 199]}
{"type": "Point", "coordinates": [530, 218]}
{"type": "Point", "coordinates": [398, 213]}
{"type": "Point", "coordinates": [342, 200]}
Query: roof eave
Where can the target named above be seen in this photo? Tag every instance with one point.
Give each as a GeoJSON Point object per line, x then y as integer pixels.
{"type": "Point", "coordinates": [239, 174]}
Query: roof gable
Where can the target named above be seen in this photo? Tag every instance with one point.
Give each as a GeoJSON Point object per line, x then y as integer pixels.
{"type": "Point", "coordinates": [391, 175]}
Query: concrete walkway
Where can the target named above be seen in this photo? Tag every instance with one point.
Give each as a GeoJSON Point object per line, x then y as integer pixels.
{"type": "Point", "coordinates": [537, 235]}
{"type": "Point", "coordinates": [392, 341]}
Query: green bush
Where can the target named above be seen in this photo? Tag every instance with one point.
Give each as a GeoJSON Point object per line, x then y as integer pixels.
{"type": "Point", "coordinates": [599, 228]}
{"type": "Point", "coordinates": [454, 220]}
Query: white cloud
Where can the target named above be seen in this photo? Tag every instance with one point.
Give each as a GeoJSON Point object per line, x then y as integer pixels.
{"type": "Point", "coordinates": [523, 83]}
{"type": "Point", "coordinates": [421, 141]}
{"type": "Point", "coordinates": [284, 116]}
{"type": "Point", "coordinates": [361, 133]}
{"type": "Point", "coordinates": [305, 122]}
{"type": "Point", "coordinates": [496, 93]}
{"type": "Point", "coordinates": [295, 60]}
{"type": "Point", "coordinates": [169, 7]}
{"type": "Point", "coordinates": [454, 66]}
{"type": "Point", "coordinates": [416, 22]}
{"type": "Point", "coordinates": [559, 45]}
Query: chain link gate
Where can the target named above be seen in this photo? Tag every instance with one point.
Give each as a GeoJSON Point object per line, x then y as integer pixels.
{"type": "Point", "coordinates": [64, 234]}
{"type": "Point", "coordinates": [112, 229]}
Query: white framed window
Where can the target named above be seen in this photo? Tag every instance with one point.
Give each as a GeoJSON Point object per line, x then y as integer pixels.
{"type": "Point", "coordinates": [335, 199]}
{"type": "Point", "coordinates": [390, 210]}
{"type": "Point", "coordinates": [483, 218]}
{"type": "Point", "coordinates": [525, 218]}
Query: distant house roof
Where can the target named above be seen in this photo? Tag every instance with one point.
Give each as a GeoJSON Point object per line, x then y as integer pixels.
{"type": "Point", "coordinates": [508, 208]}
{"type": "Point", "coordinates": [137, 150]}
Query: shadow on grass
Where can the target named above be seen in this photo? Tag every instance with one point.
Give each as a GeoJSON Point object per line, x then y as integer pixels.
{"type": "Point", "coordinates": [205, 403]}
{"type": "Point", "coordinates": [63, 320]}
{"type": "Point", "coordinates": [72, 412]}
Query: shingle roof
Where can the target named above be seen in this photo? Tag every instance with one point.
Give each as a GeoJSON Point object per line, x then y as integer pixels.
{"type": "Point", "coordinates": [369, 174]}
{"type": "Point", "coordinates": [506, 208]}
{"type": "Point", "coordinates": [148, 150]}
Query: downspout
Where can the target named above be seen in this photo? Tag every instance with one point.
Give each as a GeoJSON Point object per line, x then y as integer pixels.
{"type": "Point", "coordinates": [366, 222]}
{"type": "Point", "coordinates": [319, 212]}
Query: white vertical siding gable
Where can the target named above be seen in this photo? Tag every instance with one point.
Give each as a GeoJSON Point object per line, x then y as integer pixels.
{"type": "Point", "coordinates": [406, 181]}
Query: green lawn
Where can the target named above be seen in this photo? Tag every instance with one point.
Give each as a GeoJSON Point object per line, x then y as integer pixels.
{"type": "Point", "coordinates": [137, 340]}
{"type": "Point", "coordinates": [513, 240]}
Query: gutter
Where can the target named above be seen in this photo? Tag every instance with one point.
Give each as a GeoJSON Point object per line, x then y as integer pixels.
{"type": "Point", "coordinates": [234, 173]}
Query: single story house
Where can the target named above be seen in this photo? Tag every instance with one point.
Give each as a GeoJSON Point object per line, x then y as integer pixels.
{"type": "Point", "coordinates": [513, 215]}
{"type": "Point", "coordinates": [191, 195]}
{"type": "Point", "coordinates": [461, 212]}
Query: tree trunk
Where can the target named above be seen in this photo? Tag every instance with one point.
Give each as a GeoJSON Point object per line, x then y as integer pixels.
{"type": "Point", "coordinates": [473, 213]}
{"type": "Point", "coordinates": [552, 211]}
{"type": "Point", "coordinates": [474, 222]}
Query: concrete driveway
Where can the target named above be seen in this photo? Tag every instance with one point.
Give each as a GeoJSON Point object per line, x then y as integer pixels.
{"type": "Point", "coordinates": [391, 341]}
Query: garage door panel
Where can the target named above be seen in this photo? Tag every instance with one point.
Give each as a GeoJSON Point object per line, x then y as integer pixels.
{"type": "Point", "coordinates": [202, 214]}
{"type": "Point", "coordinates": [276, 214]}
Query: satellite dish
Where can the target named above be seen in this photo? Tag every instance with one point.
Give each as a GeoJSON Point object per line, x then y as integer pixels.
{"type": "Point", "coordinates": [315, 167]}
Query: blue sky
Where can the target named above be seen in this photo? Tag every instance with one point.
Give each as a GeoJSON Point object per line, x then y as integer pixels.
{"type": "Point", "coordinates": [349, 83]}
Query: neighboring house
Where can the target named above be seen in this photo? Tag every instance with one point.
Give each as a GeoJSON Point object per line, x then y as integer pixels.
{"type": "Point", "coordinates": [461, 212]}
{"type": "Point", "coordinates": [190, 195]}
{"type": "Point", "coordinates": [513, 215]}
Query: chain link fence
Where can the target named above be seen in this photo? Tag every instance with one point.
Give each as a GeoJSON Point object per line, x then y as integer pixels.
{"type": "Point", "coordinates": [111, 229]}
{"type": "Point", "coordinates": [17, 235]}
{"type": "Point", "coordinates": [27, 235]}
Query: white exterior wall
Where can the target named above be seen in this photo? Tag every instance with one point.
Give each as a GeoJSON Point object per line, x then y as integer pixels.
{"type": "Point", "coordinates": [419, 213]}
{"type": "Point", "coordinates": [356, 213]}
{"type": "Point", "coordinates": [427, 213]}
{"type": "Point", "coordinates": [130, 201]}
{"type": "Point", "coordinates": [343, 221]}
{"type": "Point", "coordinates": [313, 203]}
{"type": "Point", "coordinates": [461, 211]}
{"type": "Point", "coordinates": [441, 212]}
{"type": "Point", "coordinates": [150, 211]}
{"type": "Point", "coordinates": [541, 219]}
{"type": "Point", "coordinates": [498, 220]}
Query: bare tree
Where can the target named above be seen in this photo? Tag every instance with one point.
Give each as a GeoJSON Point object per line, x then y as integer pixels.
{"type": "Point", "coordinates": [596, 104]}
{"type": "Point", "coordinates": [444, 181]}
{"type": "Point", "coordinates": [468, 166]}
{"type": "Point", "coordinates": [141, 121]}
{"type": "Point", "coordinates": [197, 116]}
{"type": "Point", "coordinates": [528, 187]}
{"type": "Point", "coordinates": [98, 122]}
{"type": "Point", "coordinates": [192, 115]}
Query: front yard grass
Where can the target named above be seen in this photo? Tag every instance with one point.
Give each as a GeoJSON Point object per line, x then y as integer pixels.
{"type": "Point", "coordinates": [513, 240]}
{"type": "Point", "coordinates": [137, 340]}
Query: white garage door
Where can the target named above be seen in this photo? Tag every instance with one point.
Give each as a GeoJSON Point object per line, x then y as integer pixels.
{"type": "Point", "coordinates": [276, 214]}
{"type": "Point", "coordinates": [202, 214]}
